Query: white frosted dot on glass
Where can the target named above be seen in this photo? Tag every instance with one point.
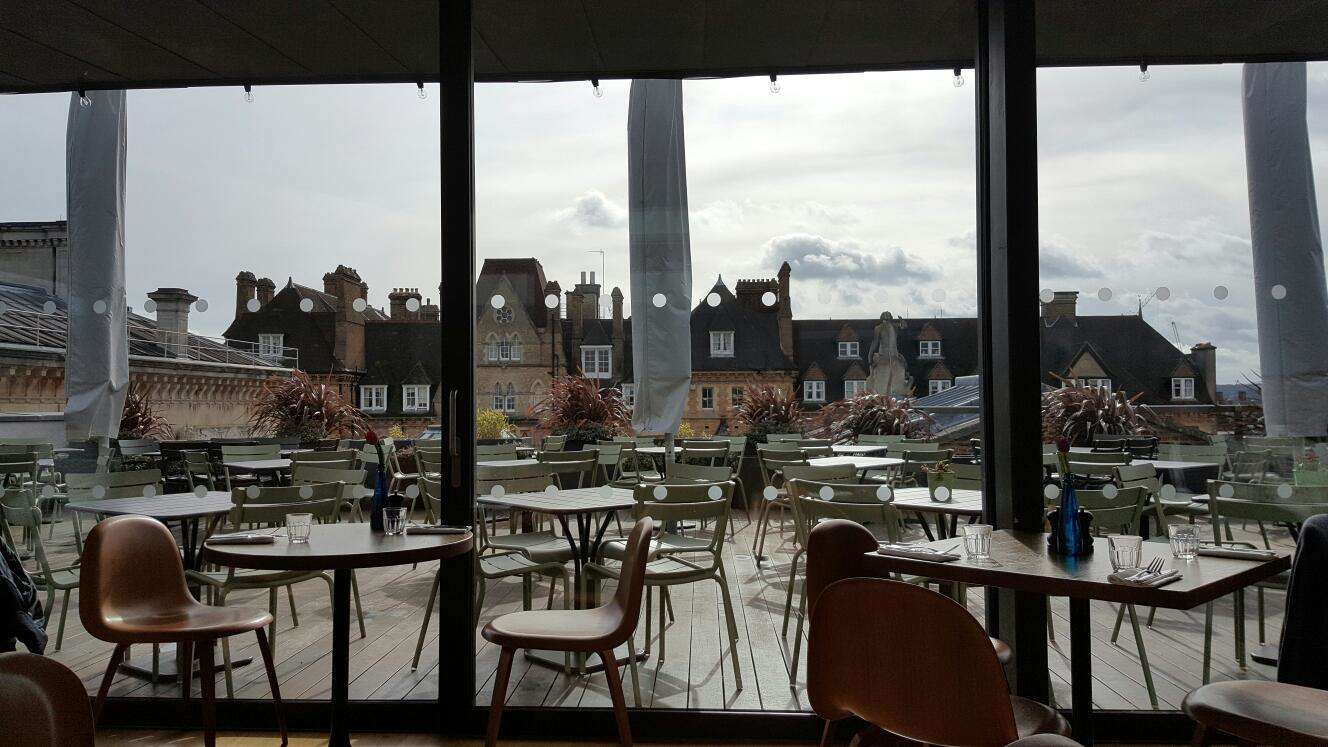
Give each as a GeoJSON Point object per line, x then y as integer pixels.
{"type": "Point", "coordinates": [99, 306]}
{"type": "Point", "coordinates": [768, 298]}
{"type": "Point", "coordinates": [659, 299]}
{"type": "Point", "coordinates": [497, 491]}
{"type": "Point", "coordinates": [149, 491]}
{"type": "Point", "coordinates": [359, 304]}
{"type": "Point", "coordinates": [1104, 294]}
{"type": "Point", "coordinates": [252, 305]}
{"type": "Point", "coordinates": [606, 491]}
{"type": "Point", "coordinates": [150, 306]}
{"type": "Point", "coordinates": [713, 299]}
{"type": "Point", "coordinates": [98, 491]}
{"type": "Point", "coordinates": [660, 492]}
{"type": "Point", "coordinates": [201, 305]}
{"type": "Point", "coordinates": [200, 491]}
{"type": "Point", "coordinates": [1110, 491]}
{"type": "Point", "coordinates": [1284, 491]}
{"type": "Point", "coordinates": [942, 493]}
{"type": "Point", "coordinates": [827, 493]}
{"type": "Point", "coordinates": [49, 307]}
{"type": "Point", "coordinates": [938, 295]}
{"type": "Point", "coordinates": [1226, 491]}
{"type": "Point", "coordinates": [551, 301]}
{"type": "Point", "coordinates": [306, 492]}
{"type": "Point", "coordinates": [412, 491]}
{"type": "Point", "coordinates": [306, 305]}
{"type": "Point", "coordinates": [1220, 292]}
{"type": "Point", "coordinates": [1052, 492]}
{"type": "Point", "coordinates": [770, 493]}
{"type": "Point", "coordinates": [1168, 491]}
{"type": "Point", "coordinates": [715, 493]}
{"type": "Point", "coordinates": [551, 491]}
{"type": "Point", "coordinates": [883, 492]}
{"type": "Point", "coordinates": [1047, 295]}
{"type": "Point", "coordinates": [1279, 292]}
{"type": "Point", "coordinates": [1163, 293]}
{"type": "Point", "coordinates": [48, 491]}
{"type": "Point", "coordinates": [497, 301]}
{"type": "Point", "coordinates": [412, 304]}
{"type": "Point", "coordinates": [251, 491]}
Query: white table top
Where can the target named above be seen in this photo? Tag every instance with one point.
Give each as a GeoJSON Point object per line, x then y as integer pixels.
{"type": "Point", "coordinates": [860, 449]}
{"type": "Point", "coordinates": [507, 463]}
{"type": "Point", "coordinates": [857, 462]}
{"type": "Point", "coordinates": [965, 502]}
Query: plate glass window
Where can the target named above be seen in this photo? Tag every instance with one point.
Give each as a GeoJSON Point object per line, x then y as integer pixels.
{"type": "Point", "coordinates": [813, 391]}
{"type": "Point", "coordinates": [938, 385]}
{"type": "Point", "coordinates": [270, 345]}
{"type": "Point", "coordinates": [415, 397]}
{"type": "Point", "coordinates": [929, 348]}
{"type": "Point", "coordinates": [373, 398]}
{"type": "Point", "coordinates": [854, 387]}
{"type": "Point", "coordinates": [848, 349]}
{"type": "Point", "coordinates": [721, 344]}
{"type": "Point", "coordinates": [735, 396]}
{"type": "Point", "coordinates": [1182, 388]}
{"type": "Point", "coordinates": [597, 361]}
{"type": "Point", "coordinates": [707, 398]}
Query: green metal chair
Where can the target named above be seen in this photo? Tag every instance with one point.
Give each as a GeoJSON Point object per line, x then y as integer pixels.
{"type": "Point", "coordinates": [498, 452]}
{"type": "Point", "coordinates": [771, 460]}
{"type": "Point", "coordinates": [98, 486]}
{"type": "Point", "coordinates": [562, 464]}
{"type": "Point", "coordinates": [352, 480]}
{"type": "Point", "coordinates": [879, 438]}
{"type": "Point", "coordinates": [539, 545]}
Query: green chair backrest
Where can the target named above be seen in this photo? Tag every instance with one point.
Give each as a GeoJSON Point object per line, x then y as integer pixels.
{"type": "Point", "coordinates": [772, 460]}
{"type": "Point", "coordinates": [553, 443]}
{"type": "Point", "coordinates": [1193, 452]}
{"type": "Point", "coordinates": [26, 517]}
{"type": "Point", "coordinates": [1141, 475]}
{"type": "Point", "coordinates": [1100, 457]}
{"type": "Point", "coordinates": [682, 473]}
{"type": "Point", "coordinates": [834, 473]}
{"type": "Point", "coordinates": [495, 452]}
{"type": "Point", "coordinates": [131, 484]}
{"type": "Point", "coordinates": [342, 455]}
{"type": "Point", "coordinates": [1115, 510]}
{"type": "Point", "coordinates": [1092, 469]}
{"type": "Point", "coordinates": [967, 476]}
{"type": "Point", "coordinates": [708, 452]}
{"type": "Point", "coordinates": [314, 473]}
{"type": "Point", "coordinates": [136, 446]}
{"type": "Point", "coordinates": [517, 478]}
{"type": "Point", "coordinates": [814, 501]}
{"type": "Point", "coordinates": [1250, 465]}
{"type": "Point", "coordinates": [249, 452]}
{"type": "Point", "coordinates": [775, 438]}
{"type": "Point", "coordinates": [1243, 501]}
{"type": "Point", "coordinates": [880, 438]}
{"type": "Point", "coordinates": [698, 502]}
{"type": "Point", "coordinates": [270, 505]}
{"type": "Point", "coordinates": [610, 453]}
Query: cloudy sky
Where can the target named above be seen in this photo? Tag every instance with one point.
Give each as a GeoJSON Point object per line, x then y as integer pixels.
{"type": "Point", "coordinates": [863, 183]}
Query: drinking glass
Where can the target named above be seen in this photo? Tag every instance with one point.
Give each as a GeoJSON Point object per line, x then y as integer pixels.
{"type": "Point", "coordinates": [1184, 541]}
{"type": "Point", "coordinates": [298, 526]}
{"type": "Point", "coordinates": [1125, 550]}
{"type": "Point", "coordinates": [977, 541]}
{"type": "Point", "coordinates": [394, 520]}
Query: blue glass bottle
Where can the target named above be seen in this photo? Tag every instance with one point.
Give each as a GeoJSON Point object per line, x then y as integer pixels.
{"type": "Point", "coordinates": [1069, 518]}
{"type": "Point", "coordinates": [379, 500]}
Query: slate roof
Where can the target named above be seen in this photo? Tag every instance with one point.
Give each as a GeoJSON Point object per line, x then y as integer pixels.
{"type": "Point", "coordinates": [817, 341]}
{"type": "Point", "coordinates": [403, 352]}
{"type": "Point", "coordinates": [312, 332]}
{"type": "Point", "coordinates": [755, 334]}
{"type": "Point", "coordinates": [22, 310]}
{"type": "Point", "coordinates": [1136, 355]}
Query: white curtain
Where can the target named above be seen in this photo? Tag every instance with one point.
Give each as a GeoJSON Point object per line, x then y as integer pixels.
{"type": "Point", "coordinates": [661, 255]}
{"type": "Point", "coordinates": [97, 353]}
{"type": "Point", "coordinates": [1288, 255]}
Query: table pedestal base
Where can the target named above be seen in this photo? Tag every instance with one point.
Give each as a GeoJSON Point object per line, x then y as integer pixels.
{"type": "Point", "coordinates": [168, 669]}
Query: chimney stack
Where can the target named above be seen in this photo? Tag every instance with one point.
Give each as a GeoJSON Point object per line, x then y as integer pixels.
{"type": "Point", "coordinates": [1062, 304]}
{"type": "Point", "coordinates": [345, 285]}
{"type": "Point", "coordinates": [785, 311]}
{"type": "Point", "coordinates": [1204, 356]}
{"type": "Point", "coordinates": [618, 349]}
{"type": "Point", "coordinates": [266, 289]}
{"type": "Point", "coordinates": [430, 312]}
{"type": "Point", "coordinates": [245, 287]}
{"type": "Point", "coordinates": [173, 319]}
{"type": "Point", "coordinates": [398, 310]}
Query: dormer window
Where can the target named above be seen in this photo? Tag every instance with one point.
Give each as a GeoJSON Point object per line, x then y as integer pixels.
{"type": "Point", "coordinates": [929, 348]}
{"type": "Point", "coordinates": [848, 349]}
{"type": "Point", "coordinates": [813, 391]}
{"type": "Point", "coordinates": [1182, 388]}
{"type": "Point", "coordinates": [854, 388]}
{"type": "Point", "coordinates": [721, 344]}
{"type": "Point", "coordinates": [597, 361]}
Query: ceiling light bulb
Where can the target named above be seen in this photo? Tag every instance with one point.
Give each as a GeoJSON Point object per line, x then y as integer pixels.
{"type": "Point", "coordinates": [249, 94]}
{"type": "Point", "coordinates": [419, 91]}
{"type": "Point", "coordinates": [958, 78]}
{"type": "Point", "coordinates": [774, 84]}
{"type": "Point", "coordinates": [83, 100]}
{"type": "Point", "coordinates": [1144, 75]}
{"type": "Point", "coordinates": [595, 89]}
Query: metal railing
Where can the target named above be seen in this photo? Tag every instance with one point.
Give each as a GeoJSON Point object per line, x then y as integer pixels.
{"type": "Point", "coordinates": [43, 330]}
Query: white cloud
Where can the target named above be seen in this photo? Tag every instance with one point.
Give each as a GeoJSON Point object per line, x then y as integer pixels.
{"type": "Point", "coordinates": [818, 258]}
{"type": "Point", "coordinates": [592, 210]}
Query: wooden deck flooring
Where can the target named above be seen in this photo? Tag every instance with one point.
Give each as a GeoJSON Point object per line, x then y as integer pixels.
{"type": "Point", "coordinates": [697, 672]}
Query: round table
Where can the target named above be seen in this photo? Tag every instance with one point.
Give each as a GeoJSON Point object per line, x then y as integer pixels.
{"type": "Point", "coordinates": [340, 548]}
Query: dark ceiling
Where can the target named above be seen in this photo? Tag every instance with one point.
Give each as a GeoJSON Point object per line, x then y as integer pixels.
{"type": "Point", "coordinates": [53, 45]}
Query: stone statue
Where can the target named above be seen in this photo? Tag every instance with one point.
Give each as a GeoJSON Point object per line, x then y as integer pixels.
{"type": "Point", "coordinates": [889, 375]}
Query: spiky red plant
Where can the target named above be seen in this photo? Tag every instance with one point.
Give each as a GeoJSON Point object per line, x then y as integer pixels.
{"type": "Point", "coordinates": [139, 420]}
{"type": "Point", "coordinates": [1078, 412]}
{"type": "Point", "coordinates": [874, 414]}
{"type": "Point", "coordinates": [765, 410]}
{"type": "Point", "coordinates": [300, 406]}
{"type": "Point", "coordinates": [577, 408]}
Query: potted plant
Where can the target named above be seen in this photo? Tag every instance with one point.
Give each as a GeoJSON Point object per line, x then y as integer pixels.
{"type": "Point", "coordinates": [940, 476]}
{"type": "Point", "coordinates": [300, 407]}
{"type": "Point", "coordinates": [874, 414]}
{"type": "Point", "coordinates": [1310, 469]}
{"type": "Point", "coordinates": [1076, 413]}
{"type": "Point", "coordinates": [491, 426]}
{"type": "Point", "coordinates": [577, 408]}
{"type": "Point", "coordinates": [765, 410]}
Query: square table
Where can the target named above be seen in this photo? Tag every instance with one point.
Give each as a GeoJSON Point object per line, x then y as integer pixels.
{"type": "Point", "coordinates": [963, 502]}
{"type": "Point", "coordinates": [1020, 562]}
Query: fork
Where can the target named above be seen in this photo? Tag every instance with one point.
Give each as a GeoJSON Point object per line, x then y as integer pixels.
{"type": "Point", "coordinates": [1153, 569]}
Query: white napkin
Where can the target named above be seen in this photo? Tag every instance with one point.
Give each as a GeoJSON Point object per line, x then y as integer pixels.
{"type": "Point", "coordinates": [1128, 576]}
{"type": "Point", "coordinates": [435, 529]}
{"type": "Point", "coordinates": [1240, 553]}
{"type": "Point", "coordinates": [916, 553]}
{"type": "Point", "coordinates": [241, 539]}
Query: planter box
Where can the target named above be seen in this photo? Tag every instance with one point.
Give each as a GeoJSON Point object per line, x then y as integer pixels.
{"type": "Point", "coordinates": [936, 480]}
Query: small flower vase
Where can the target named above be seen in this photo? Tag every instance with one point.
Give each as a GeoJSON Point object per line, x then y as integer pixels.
{"type": "Point", "coordinates": [379, 500]}
{"type": "Point", "coordinates": [1071, 526]}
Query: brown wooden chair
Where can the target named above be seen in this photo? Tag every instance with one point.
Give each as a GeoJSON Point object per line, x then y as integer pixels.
{"type": "Point", "coordinates": [133, 591]}
{"type": "Point", "coordinates": [42, 702]}
{"type": "Point", "coordinates": [598, 631]}
{"type": "Point", "coordinates": [928, 661]}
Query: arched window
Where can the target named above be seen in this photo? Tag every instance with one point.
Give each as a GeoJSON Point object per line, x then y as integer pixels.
{"type": "Point", "coordinates": [510, 401]}
{"type": "Point", "coordinates": [514, 344]}
{"type": "Point", "coordinates": [491, 347]}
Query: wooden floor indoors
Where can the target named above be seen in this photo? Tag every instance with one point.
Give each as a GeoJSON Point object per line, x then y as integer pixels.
{"type": "Point", "coordinates": [696, 673]}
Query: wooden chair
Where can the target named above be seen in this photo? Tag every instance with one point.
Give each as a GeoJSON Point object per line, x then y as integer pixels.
{"type": "Point", "coordinates": [134, 591]}
{"type": "Point", "coordinates": [679, 566]}
{"type": "Point", "coordinates": [846, 678]}
{"type": "Point", "coordinates": [491, 564]}
{"type": "Point", "coordinates": [1291, 710]}
{"type": "Point", "coordinates": [42, 702]}
{"type": "Point", "coordinates": [599, 631]}
{"type": "Point", "coordinates": [64, 579]}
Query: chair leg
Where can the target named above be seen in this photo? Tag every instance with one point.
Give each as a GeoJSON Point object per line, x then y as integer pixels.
{"type": "Point", "coordinates": [827, 733]}
{"type": "Point", "coordinates": [797, 638]}
{"type": "Point", "coordinates": [64, 610]}
{"type": "Point", "coordinates": [1051, 628]}
{"type": "Point", "coordinates": [761, 515]}
{"type": "Point", "coordinates": [615, 692]}
{"type": "Point", "coordinates": [1152, 613]}
{"type": "Point", "coordinates": [661, 623]}
{"type": "Point", "coordinates": [290, 596]}
{"type": "Point", "coordinates": [1120, 617]}
{"type": "Point", "coordinates": [186, 652]}
{"type": "Point", "coordinates": [208, 671]}
{"type": "Point", "coordinates": [1143, 656]}
{"type": "Point", "coordinates": [428, 613]}
{"type": "Point", "coordinates": [631, 664]}
{"type": "Point", "coordinates": [1208, 641]}
{"type": "Point", "coordinates": [272, 610]}
{"type": "Point", "coordinates": [479, 601]}
{"type": "Point", "coordinates": [733, 625]}
{"type": "Point", "coordinates": [117, 656]}
{"type": "Point", "coordinates": [668, 601]}
{"type": "Point", "coordinates": [788, 593]}
{"type": "Point", "coordinates": [359, 611]}
{"type": "Point", "coordinates": [1239, 626]}
{"type": "Point", "coordinates": [499, 697]}
{"type": "Point", "coordinates": [226, 667]}
{"type": "Point", "coordinates": [646, 649]}
{"type": "Point", "coordinates": [266, 651]}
